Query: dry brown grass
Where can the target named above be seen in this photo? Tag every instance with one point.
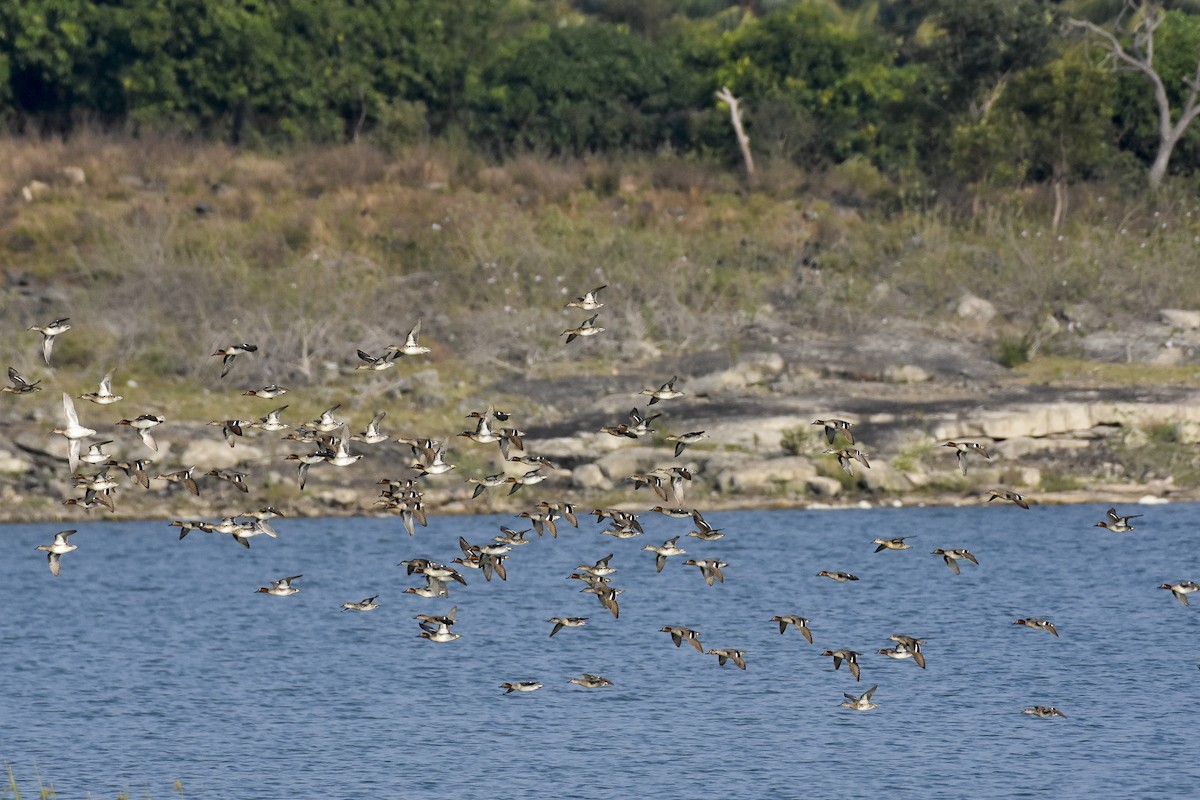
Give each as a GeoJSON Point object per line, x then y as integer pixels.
{"type": "Point", "coordinates": [174, 247]}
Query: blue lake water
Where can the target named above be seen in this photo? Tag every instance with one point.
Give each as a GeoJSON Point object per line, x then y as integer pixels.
{"type": "Point", "coordinates": [151, 660]}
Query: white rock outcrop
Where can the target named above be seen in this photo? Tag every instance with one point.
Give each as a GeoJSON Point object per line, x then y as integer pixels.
{"type": "Point", "coordinates": [208, 454]}
{"type": "Point", "coordinates": [975, 308]}
{"type": "Point", "coordinates": [790, 472]}
{"type": "Point", "coordinates": [1185, 319]}
{"type": "Point", "coordinates": [1057, 419]}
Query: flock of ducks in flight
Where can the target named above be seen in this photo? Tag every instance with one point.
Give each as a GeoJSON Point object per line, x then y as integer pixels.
{"type": "Point", "coordinates": [330, 438]}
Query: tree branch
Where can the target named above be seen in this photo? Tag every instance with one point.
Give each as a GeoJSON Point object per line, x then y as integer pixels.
{"type": "Point", "coordinates": [1190, 107]}
{"type": "Point", "coordinates": [1114, 47]}
{"type": "Point", "coordinates": [1143, 63]}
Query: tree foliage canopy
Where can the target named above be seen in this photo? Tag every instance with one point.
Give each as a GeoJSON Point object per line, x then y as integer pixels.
{"type": "Point", "coordinates": [954, 90]}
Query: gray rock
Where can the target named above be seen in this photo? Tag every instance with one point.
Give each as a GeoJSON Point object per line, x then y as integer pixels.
{"type": "Point", "coordinates": [1066, 418]}
{"type": "Point", "coordinates": [882, 478]}
{"type": "Point", "coordinates": [917, 477]}
{"type": "Point", "coordinates": [426, 389]}
{"type": "Point", "coordinates": [640, 350]}
{"type": "Point", "coordinates": [590, 476]}
{"type": "Point", "coordinates": [1185, 319]}
{"type": "Point", "coordinates": [905, 373]}
{"type": "Point", "coordinates": [578, 446]}
{"type": "Point", "coordinates": [1035, 420]}
{"type": "Point", "coordinates": [975, 308]}
{"type": "Point", "coordinates": [714, 462]}
{"type": "Point", "coordinates": [1019, 446]}
{"type": "Point", "coordinates": [74, 175]}
{"type": "Point", "coordinates": [761, 435]}
{"type": "Point", "coordinates": [1083, 316]}
{"type": "Point", "coordinates": [798, 379]}
{"type": "Point", "coordinates": [756, 370]}
{"type": "Point", "coordinates": [717, 383]}
{"type": "Point", "coordinates": [33, 190]}
{"type": "Point", "coordinates": [43, 445]}
{"type": "Point", "coordinates": [1169, 357]}
{"type": "Point", "coordinates": [764, 363]}
{"type": "Point", "coordinates": [822, 486]}
{"type": "Point", "coordinates": [766, 475]}
{"type": "Point", "coordinates": [879, 292]}
{"type": "Point", "coordinates": [1101, 431]}
{"type": "Point", "coordinates": [13, 463]}
{"type": "Point", "coordinates": [619, 464]}
{"type": "Point", "coordinates": [339, 496]}
{"type": "Point", "coordinates": [215, 454]}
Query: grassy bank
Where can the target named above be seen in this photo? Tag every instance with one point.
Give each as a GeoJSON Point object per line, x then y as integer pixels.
{"type": "Point", "coordinates": [167, 249]}
{"type": "Point", "coordinates": [323, 251]}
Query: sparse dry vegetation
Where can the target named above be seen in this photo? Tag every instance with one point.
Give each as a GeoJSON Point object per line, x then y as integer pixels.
{"type": "Point", "coordinates": [172, 247]}
{"type": "Point", "coordinates": [160, 259]}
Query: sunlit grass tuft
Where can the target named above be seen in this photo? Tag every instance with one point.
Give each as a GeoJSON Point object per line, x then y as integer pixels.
{"type": "Point", "coordinates": [1078, 372]}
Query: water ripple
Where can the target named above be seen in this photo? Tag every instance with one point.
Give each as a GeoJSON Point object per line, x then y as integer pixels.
{"type": "Point", "coordinates": [118, 678]}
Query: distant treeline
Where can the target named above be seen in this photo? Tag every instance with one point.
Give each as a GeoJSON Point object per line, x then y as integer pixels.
{"type": "Point", "coordinates": [987, 92]}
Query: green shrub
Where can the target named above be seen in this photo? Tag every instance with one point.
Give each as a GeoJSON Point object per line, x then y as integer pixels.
{"type": "Point", "coordinates": [1058, 482]}
{"type": "Point", "coordinates": [579, 90]}
{"type": "Point", "coordinates": [1165, 433]}
{"type": "Point", "coordinates": [1012, 351]}
{"type": "Point", "coordinates": [796, 441]}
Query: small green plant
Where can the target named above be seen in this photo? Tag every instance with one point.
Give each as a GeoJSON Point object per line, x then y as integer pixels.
{"type": "Point", "coordinates": [828, 467]}
{"type": "Point", "coordinates": [953, 482]}
{"type": "Point", "coordinates": [796, 441]}
{"type": "Point", "coordinates": [1058, 482]}
{"type": "Point", "coordinates": [604, 181]}
{"type": "Point", "coordinates": [1163, 433]}
{"type": "Point", "coordinates": [1012, 351]}
{"type": "Point", "coordinates": [912, 456]}
{"type": "Point", "coordinates": [1158, 452]}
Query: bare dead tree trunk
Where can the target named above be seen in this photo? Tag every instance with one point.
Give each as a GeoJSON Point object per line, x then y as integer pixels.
{"type": "Point", "coordinates": [1166, 145]}
{"type": "Point", "coordinates": [362, 115]}
{"type": "Point", "coordinates": [1060, 198]}
{"type": "Point", "coordinates": [1140, 58]}
{"type": "Point", "coordinates": [735, 114]}
{"type": "Point", "coordinates": [1058, 177]}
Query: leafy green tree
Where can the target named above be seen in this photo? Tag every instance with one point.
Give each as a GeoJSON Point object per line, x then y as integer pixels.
{"type": "Point", "coordinates": [1052, 124]}
{"type": "Point", "coordinates": [581, 89]}
{"type": "Point", "coordinates": [644, 17]}
{"type": "Point", "coordinates": [968, 53]}
{"type": "Point", "coordinates": [1066, 106]}
{"type": "Point", "coordinates": [1159, 51]}
{"type": "Point", "coordinates": [819, 85]}
{"type": "Point", "coordinates": [990, 152]}
{"type": "Point", "coordinates": [220, 67]}
{"type": "Point", "coordinates": [289, 69]}
{"type": "Point", "coordinates": [974, 47]}
{"type": "Point", "coordinates": [59, 58]}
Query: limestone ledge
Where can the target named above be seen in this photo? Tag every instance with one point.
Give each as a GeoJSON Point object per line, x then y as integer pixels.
{"type": "Point", "coordinates": [1072, 418]}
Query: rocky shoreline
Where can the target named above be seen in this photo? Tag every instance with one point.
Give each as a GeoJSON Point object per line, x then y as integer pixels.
{"type": "Point", "coordinates": [907, 394]}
